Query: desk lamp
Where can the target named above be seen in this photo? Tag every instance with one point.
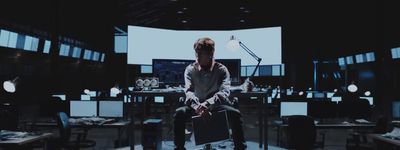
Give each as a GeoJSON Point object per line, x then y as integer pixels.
{"type": "Point", "coordinates": [233, 45]}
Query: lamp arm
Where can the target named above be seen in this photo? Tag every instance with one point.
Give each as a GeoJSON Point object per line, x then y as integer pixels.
{"type": "Point", "coordinates": [258, 59]}
{"type": "Point", "coordinates": [249, 51]}
{"type": "Point", "coordinates": [254, 72]}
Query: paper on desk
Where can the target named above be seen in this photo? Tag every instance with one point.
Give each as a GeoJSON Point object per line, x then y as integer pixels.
{"type": "Point", "coordinates": [362, 121]}
{"type": "Point", "coordinates": [394, 134]}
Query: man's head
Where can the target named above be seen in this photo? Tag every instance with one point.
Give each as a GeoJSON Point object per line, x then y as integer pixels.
{"type": "Point", "coordinates": [204, 48]}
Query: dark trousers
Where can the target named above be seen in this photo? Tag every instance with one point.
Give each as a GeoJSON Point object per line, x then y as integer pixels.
{"type": "Point", "coordinates": [234, 117]}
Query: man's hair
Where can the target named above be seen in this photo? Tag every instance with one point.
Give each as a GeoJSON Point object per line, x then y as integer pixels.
{"type": "Point", "coordinates": [204, 44]}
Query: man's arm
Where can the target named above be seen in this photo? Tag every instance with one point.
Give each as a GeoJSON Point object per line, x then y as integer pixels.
{"type": "Point", "coordinates": [191, 99]}
{"type": "Point", "coordinates": [222, 96]}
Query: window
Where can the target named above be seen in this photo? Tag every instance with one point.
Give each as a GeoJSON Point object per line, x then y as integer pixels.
{"type": "Point", "coordinates": [20, 41]}
{"type": "Point", "coordinates": [395, 53]}
{"type": "Point", "coordinates": [4, 34]}
{"type": "Point", "coordinates": [146, 69]}
{"type": "Point", "coordinates": [35, 44]}
{"type": "Point", "coordinates": [243, 71]}
{"type": "Point", "coordinates": [28, 43]}
{"type": "Point", "coordinates": [341, 61]}
{"type": "Point", "coordinates": [12, 40]}
{"type": "Point", "coordinates": [276, 70]}
{"type": "Point", "coordinates": [102, 57]}
{"type": "Point", "coordinates": [370, 57]}
{"type": "Point", "coordinates": [77, 52]}
{"type": "Point", "coordinates": [250, 70]}
{"type": "Point", "coordinates": [46, 48]}
{"type": "Point", "coordinates": [349, 60]}
{"type": "Point", "coordinates": [121, 44]}
{"type": "Point", "coordinates": [64, 50]}
{"type": "Point", "coordinates": [282, 69]}
{"type": "Point", "coordinates": [359, 58]}
{"type": "Point", "coordinates": [96, 56]}
{"type": "Point", "coordinates": [87, 55]}
{"type": "Point", "coordinates": [266, 70]}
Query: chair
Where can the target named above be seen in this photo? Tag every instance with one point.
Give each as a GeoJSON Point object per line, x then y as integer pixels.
{"type": "Point", "coordinates": [355, 109]}
{"type": "Point", "coordinates": [65, 134]}
{"type": "Point", "coordinates": [359, 140]}
{"type": "Point", "coordinates": [322, 109]}
{"type": "Point", "coordinates": [302, 133]}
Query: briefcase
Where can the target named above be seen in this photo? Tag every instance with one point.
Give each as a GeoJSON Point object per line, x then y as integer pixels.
{"type": "Point", "coordinates": [211, 128]}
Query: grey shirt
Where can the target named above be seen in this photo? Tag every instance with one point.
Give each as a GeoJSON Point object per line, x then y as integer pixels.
{"type": "Point", "coordinates": [210, 85]}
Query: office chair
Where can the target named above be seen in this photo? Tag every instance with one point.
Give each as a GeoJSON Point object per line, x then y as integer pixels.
{"type": "Point", "coordinates": [359, 140]}
{"type": "Point", "coordinates": [9, 117]}
{"type": "Point", "coordinates": [302, 133]}
{"type": "Point", "coordinates": [65, 134]}
{"type": "Point", "coordinates": [355, 109]}
{"type": "Point", "coordinates": [322, 109]}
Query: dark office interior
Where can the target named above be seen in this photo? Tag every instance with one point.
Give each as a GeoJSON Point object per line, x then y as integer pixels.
{"type": "Point", "coordinates": [110, 74]}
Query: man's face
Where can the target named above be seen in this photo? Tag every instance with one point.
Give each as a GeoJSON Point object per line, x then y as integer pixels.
{"type": "Point", "coordinates": [204, 58]}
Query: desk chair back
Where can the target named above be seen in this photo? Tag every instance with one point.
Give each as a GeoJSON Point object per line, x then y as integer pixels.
{"type": "Point", "coordinates": [301, 132]}
{"type": "Point", "coordinates": [63, 126]}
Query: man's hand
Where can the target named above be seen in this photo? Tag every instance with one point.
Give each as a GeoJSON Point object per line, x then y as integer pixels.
{"type": "Point", "coordinates": [202, 110]}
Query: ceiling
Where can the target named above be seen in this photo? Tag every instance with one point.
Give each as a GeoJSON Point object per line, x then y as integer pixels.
{"type": "Point", "coordinates": [324, 28]}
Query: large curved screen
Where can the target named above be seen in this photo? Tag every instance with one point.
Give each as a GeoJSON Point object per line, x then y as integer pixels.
{"type": "Point", "coordinates": [145, 44]}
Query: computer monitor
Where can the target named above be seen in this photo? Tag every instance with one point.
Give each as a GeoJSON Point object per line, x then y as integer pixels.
{"type": "Point", "coordinates": [289, 92]}
{"type": "Point", "coordinates": [113, 109]}
{"type": "Point", "coordinates": [113, 94]}
{"type": "Point", "coordinates": [269, 100]}
{"type": "Point", "coordinates": [158, 99]}
{"type": "Point", "coordinates": [127, 99]}
{"type": "Point", "coordinates": [278, 96]}
{"type": "Point", "coordinates": [92, 93]}
{"type": "Point", "coordinates": [293, 108]}
{"type": "Point", "coordinates": [274, 93]}
{"type": "Point", "coordinates": [319, 95]}
{"type": "Point", "coordinates": [233, 66]}
{"type": "Point", "coordinates": [85, 97]}
{"type": "Point", "coordinates": [330, 94]}
{"type": "Point", "coordinates": [61, 96]}
{"type": "Point", "coordinates": [396, 109]}
{"type": "Point", "coordinates": [83, 108]}
{"type": "Point", "coordinates": [170, 71]}
{"type": "Point", "coordinates": [336, 99]}
{"type": "Point", "coordinates": [370, 99]}
{"type": "Point", "coordinates": [309, 95]}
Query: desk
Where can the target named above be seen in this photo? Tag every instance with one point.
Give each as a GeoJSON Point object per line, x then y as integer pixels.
{"type": "Point", "coordinates": [15, 143]}
{"type": "Point", "coordinates": [379, 138]}
{"type": "Point", "coordinates": [327, 126]}
{"type": "Point", "coordinates": [121, 126]}
{"type": "Point", "coordinates": [261, 97]}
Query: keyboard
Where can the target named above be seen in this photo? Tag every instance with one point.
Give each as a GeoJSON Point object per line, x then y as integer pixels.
{"type": "Point", "coordinates": [235, 89]}
{"type": "Point", "coordinates": [164, 90]}
{"type": "Point", "coordinates": [6, 134]}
